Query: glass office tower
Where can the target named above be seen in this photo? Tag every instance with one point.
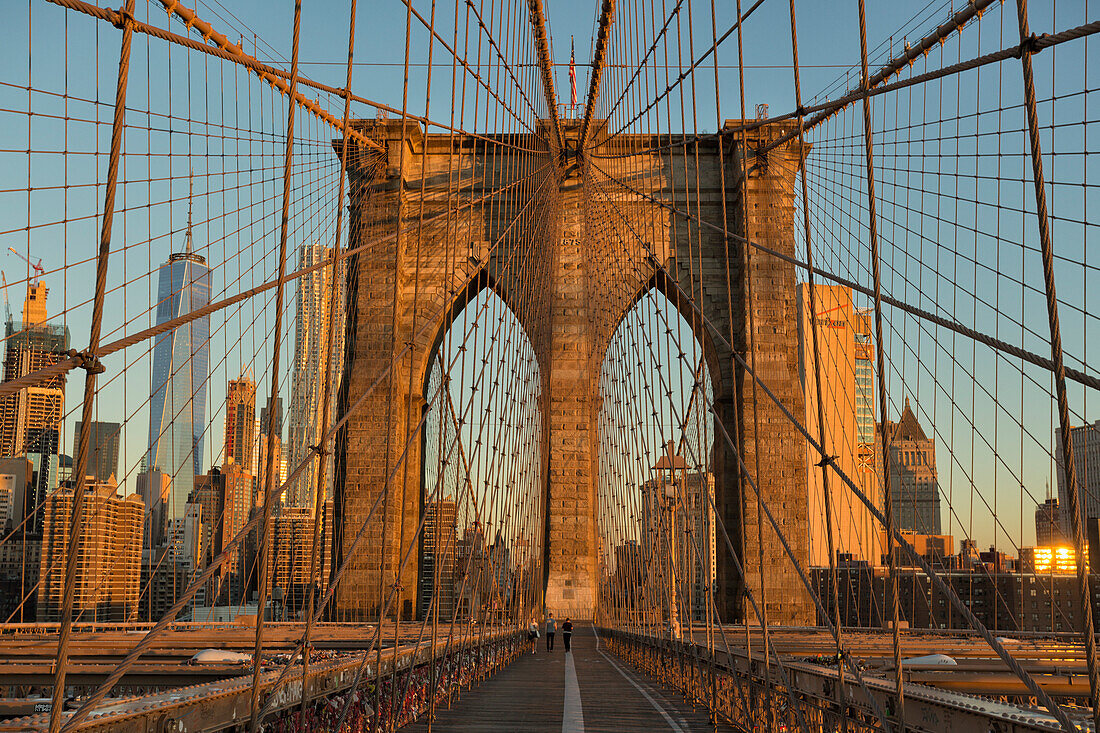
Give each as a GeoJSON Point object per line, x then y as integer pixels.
{"type": "Point", "coordinates": [181, 364]}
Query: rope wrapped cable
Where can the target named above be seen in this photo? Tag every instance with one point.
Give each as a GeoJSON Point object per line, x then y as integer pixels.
{"type": "Point", "coordinates": [827, 110]}
{"type": "Point", "coordinates": [819, 397]}
{"type": "Point", "coordinates": [876, 263]}
{"type": "Point", "coordinates": [319, 449]}
{"type": "Point", "coordinates": [941, 585]}
{"type": "Point", "coordinates": [90, 362]}
{"type": "Point", "coordinates": [277, 351]}
{"type": "Point", "coordinates": [1069, 465]}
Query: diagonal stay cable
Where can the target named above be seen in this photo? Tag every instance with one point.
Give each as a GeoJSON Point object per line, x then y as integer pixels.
{"type": "Point", "coordinates": [74, 360]}
{"type": "Point", "coordinates": [744, 470]}
{"type": "Point", "coordinates": [1034, 44]}
{"type": "Point", "coordinates": [941, 586]}
{"type": "Point", "coordinates": [684, 74]}
{"type": "Point", "coordinates": [207, 573]}
{"type": "Point", "coordinates": [991, 342]}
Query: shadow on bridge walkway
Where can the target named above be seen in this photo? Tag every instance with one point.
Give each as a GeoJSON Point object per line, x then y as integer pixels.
{"type": "Point", "coordinates": [582, 692]}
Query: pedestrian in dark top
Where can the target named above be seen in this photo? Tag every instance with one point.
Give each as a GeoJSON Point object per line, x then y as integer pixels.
{"type": "Point", "coordinates": [551, 627]}
{"type": "Point", "coordinates": [567, 632]}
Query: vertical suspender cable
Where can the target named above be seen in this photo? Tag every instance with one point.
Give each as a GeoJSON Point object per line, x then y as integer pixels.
{"type": "Point", "coordinates": [326, 407]}
{"type": "Point", "coordinates": [272, 418]}
{"type": "Point", "coordinates": [888, 500]}
{"type": "Point", "coordinates": [92, 367]}
{"type": "Point", "coordinates": [398, 243]}
{"type": "Point", "coordinates": [746, 263]}
{"type": "Point", "coordinates": [825, 486]}
{"type": "Point", "coordinates": [1047, 249]}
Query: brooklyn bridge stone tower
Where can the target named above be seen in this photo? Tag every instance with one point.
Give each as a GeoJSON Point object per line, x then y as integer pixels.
{"type": "Point", "coordinates": [571, 266]}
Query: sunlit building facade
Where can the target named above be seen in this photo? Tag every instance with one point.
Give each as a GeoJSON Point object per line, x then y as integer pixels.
{"type": "Point", "coordinates": [240, 423]}
{"type": "Point", "coordinates": [914, 481]}
{"type": "Point", "coordinates": [30, 419]}
{"type": "Point", "coordinates": [844, 360]}
{"type": "Point", "coordinates": [312, 364]}
{"type": "Point", "coordinates": [1086, 457]}
{"type": "Point", "coordinates": [109, 557]}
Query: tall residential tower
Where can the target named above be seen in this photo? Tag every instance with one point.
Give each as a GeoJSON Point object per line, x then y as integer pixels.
{"type": "Point", "coordinates": [1086, 456]}
{"type": "Point", "coordinates": [30, 419]}
{"type": "Point", "coordinates": [240, 423]}
{"type": "Point", "coordinates": [312, 325]}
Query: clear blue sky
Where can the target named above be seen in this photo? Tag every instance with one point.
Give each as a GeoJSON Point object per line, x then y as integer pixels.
{"type": "Point", "coordinates": [944, 239]}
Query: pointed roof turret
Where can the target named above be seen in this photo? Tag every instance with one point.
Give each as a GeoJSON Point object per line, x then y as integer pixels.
{"type": "Point", "coordinates": [907, 428]}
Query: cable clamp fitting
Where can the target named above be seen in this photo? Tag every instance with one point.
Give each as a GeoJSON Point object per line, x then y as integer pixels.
{"type": "Point", "coordinates": [123, 18]}
{"type": "Point", "coordinates": [320, 450]}
{"type": "Point", "coordinates": [88, 361]}
{"type": "Point", "coordinates": [826, 461]}
{"type": "Point", "coordinates": [1030, 45]}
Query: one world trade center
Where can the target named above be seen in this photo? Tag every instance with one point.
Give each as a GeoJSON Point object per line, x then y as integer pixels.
{"type": "Point", "coordinates": [181, 365]}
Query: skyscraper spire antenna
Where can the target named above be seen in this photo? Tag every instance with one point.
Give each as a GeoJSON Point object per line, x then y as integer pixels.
{"type": "Point", "coordinates": [190, 204]}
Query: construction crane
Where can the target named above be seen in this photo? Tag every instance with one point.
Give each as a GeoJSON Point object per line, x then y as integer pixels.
{"type": "Point", "coordinates": [36, 266]}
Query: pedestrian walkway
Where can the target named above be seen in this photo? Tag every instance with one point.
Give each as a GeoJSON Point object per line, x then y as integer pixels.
{"type": "Point", "coordinates": [586, 691]}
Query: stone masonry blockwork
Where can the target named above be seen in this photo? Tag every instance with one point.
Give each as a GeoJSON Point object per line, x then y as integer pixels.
{"type": "Point", "coordinates": [592, 261]}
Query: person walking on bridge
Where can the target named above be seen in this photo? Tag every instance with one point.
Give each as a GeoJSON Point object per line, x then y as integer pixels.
{"type": "Point", "coordinates": [533, 636]}
{"type": "Point", "coordinates": [551, 627]}
{"type": "Point", "coordinates": [567, 632]}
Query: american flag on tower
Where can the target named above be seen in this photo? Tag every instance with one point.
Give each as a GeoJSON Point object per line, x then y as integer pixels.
{"type": "Point", "coordinates": [572, 78]}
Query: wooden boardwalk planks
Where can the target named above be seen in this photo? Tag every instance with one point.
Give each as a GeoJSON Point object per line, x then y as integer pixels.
{"type": "Point", "coordinates": [530, 695]}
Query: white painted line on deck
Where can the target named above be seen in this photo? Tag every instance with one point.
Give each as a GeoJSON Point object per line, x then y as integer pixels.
{"type": "Point", "coordinates": [664, 714]}
{"type": "Point", "coordinates": [572, 719]}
